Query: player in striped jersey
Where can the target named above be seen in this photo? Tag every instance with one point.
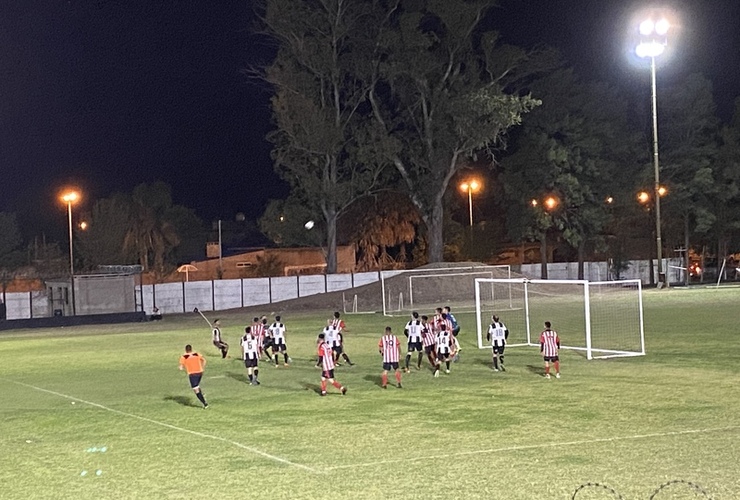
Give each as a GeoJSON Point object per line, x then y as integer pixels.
{"type": "Point", "coordinates": [326, 335]}
{"type": "Point", "coordinates": [251, 355]}
{"type": "Point", "coordinates": [277, 333]}
{"type": "Point", "coordinates": [389, 348]}
{"type": "Point", "coordinates": [497, 334]}
{"type": "Point", "coordinates": [327, 366]}
{"type": "Point", "coordinates": [549, 347]}
{"type": "Point", "coordinates": [338, 346]}
{"type": "Point", "coordinates": [413, 333]}
{"type": "Point", "coordinates": [217, 340]}
{"type": "Point", "coordinates": [445, 349]}
{"type": "Point", "coordinates": [429, 341]}
{"type": "Point", "coordinates": [258, 332]}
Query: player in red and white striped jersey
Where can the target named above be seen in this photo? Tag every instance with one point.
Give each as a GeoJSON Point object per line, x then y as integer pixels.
{"type": "Point", "coordinates": [389, 348]}
{"type": "Point", "coordinates": [428, 341]}
{"type": "Point", "coordinates": [327, 368]}
{"type": "Point", "coordinates": [258, 332]}
{"type": "Point", "coordinates": [549, 347]}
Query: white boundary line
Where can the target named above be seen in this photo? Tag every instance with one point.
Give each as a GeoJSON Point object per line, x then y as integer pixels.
{"type": "Point", "coordinates": [535, 447]}
{"type": "Point", "coordinates": [174, 427]}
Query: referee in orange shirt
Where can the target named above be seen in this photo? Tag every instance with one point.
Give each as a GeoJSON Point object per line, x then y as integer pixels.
{"type": "Point", "coordinates": [194, 364]}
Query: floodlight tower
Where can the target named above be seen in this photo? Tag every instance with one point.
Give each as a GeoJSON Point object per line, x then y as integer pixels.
{"type": "Point", "coordinates": [653, 41]}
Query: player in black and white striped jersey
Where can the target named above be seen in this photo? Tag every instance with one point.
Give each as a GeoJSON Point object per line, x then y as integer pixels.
{"type": "Point", "coordinates": [445, 349]}
{"type": "Point", "coordinates": [497, 334]}
{"type": "Point", "coordinates": [217, 340]}
{"type": "Point", "coordinates": [277, 332]}
{"type": "Point", "coordinates": [413, 333]}
{"type": "Point", "coordinates": [251, 354]}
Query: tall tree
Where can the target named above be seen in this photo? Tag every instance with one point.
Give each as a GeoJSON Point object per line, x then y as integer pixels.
{"type": "Point", "coordinates": [320, 82]}
{"type": "Point", "coordinates": [567, 148]}
{"type": "Point", "coordinates": [11, 257]}
{"type": "Point", "coordinates": [439, 96]}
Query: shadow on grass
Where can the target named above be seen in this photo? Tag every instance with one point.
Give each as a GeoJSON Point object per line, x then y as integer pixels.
{"type": "Point", "coordinates": [375, 379]}
{"type": "Point", "coordinates": [239, 377]}
{"type": "Point", "coordinates": [312, 387]}
{"type": "Point", "coordinates": [182, 400]}
{"type": "Point", "coordinates": [537, 370]}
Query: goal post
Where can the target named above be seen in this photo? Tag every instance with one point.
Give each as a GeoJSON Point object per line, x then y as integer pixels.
{"type": "Point", "coordinates": [604, 319]}
{"type": "Point", "coordinates": [426, 289]}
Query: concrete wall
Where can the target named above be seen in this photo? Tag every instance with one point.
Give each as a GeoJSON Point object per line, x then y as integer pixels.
{"type": "Point", "coordinates": [218, 295]}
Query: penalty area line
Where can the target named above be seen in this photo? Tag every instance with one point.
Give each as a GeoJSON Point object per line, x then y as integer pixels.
{"type": "Point", "coordinates": [173, 427]}
{"type": "Point", "coordinates": [536, 447]}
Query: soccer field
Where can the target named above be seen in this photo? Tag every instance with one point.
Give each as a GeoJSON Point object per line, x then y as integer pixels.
{"type": "Point", "coordinates": [103, 412]}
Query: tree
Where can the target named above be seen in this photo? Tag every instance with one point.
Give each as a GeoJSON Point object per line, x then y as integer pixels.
{"type": "Point", "coordinates": [102, 242]}
{"type": "Point", "coordinates": [567, 148]}
{"type": "Point", "coordinates": [320, 83]}
{"type": "Point", "coordinates": [439, 96]}
{"type": "Point", "coordinates": [11, 258]}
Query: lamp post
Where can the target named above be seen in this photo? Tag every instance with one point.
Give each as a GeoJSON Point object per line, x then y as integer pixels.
{"type": "Point", "coordinates": [652, 44]}
{"type": "Point", "coordinates": [471, 186]}
{"type": "Point", "coordinates": [69, 198]}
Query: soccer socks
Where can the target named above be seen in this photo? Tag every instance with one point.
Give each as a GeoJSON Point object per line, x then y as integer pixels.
{"type": "Point", "coordinates": [547, 369]}
{"type": "Point", "coordinates": [337, 385]}
{"type": "Point", "coordinates": [418, 361]}
{"type": "Point", "coordinates": [384, 379]}
{"type": "Point", "coordinates": [495, 362]}
{"type": "Point", "coordinates": [251, 378]}
{"type": "Point", "coordinates": [200, 397]}
{"type": "Point", "coordinates": [557, 366]}
{"type": "Point", "coordinates": [346, 358]}
{"type": "Point", "coordinates": [285, 356]}
{"type": "Point", "coordinates": [323, 386]}
{"type": "Point", "coordinates": [398, 377]}
{"type": "Point", "coordinates": [408, 359]}
{"type": "Point", "coordinates": [447, 363]}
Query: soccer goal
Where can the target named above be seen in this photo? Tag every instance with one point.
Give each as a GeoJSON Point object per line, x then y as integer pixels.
{"type": "Point", "coordinates": [426, 289]}
{"type": "Point", "coordinates": [603, 318]}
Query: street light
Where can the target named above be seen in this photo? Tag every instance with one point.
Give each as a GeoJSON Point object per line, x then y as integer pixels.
{"type": "Point", "coordinates": [69, 198]}
{"type": "Point", "coordinates": [653, 40]}
{"type": "Point", "coordinates": [471, 186]}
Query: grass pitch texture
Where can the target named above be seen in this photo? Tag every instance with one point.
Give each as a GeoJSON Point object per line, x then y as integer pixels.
{"type": "Point", "coordinates": [629, 423]}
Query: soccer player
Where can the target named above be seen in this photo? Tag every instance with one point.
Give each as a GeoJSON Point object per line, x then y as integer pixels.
{"type": "Point", "coordinates": [429, 341]}
{"type": "Point", "coordinates": [338, 346]}
{"type": "Point", "coordinates": [549, 347]}
{"type": "Point", "coordinates": [194, 364]}
{"type": "Point", "coordinates": [277, 332]}
{"type": "Point", "coordinates": [326, 335]}
{"type": "Point", "coordinates": [327, 366]}
{"type": "Point", "coordinates": [389, 348]}
{"type": "Point", "coordinates": [453, 321]}
{"type": "Point", "coordinates": [259, 332]}
{"type": "Point", "coordinates": [217, 340]}
{"type": "Point", "coordinates": [497, 334]}
{"type": "Point", "coordinates": [445, 349]}
{"type": "Point", "coordinates": [413, 333]}
{"type": "Point", "coordinates": [251, 355]}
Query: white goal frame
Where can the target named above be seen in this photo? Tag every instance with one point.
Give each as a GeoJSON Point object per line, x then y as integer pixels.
{"type": "Point", "coordinates": [592, 352]}
{"type": "Point", "coordinates": [394, 305]}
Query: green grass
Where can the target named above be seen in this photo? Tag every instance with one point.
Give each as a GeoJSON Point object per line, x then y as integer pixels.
{"type": "Point", "coordinates": [630, 423]}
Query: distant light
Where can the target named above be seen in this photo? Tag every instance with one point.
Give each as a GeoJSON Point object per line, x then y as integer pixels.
{"type": "Point", "coordinates": [472, 185]}
{"type": "Point", "coordinates": [83, 225]}
{"type": "Point", "coordinates": [643, 197]}
{"type": "Point", "coordinates": [662, 190]}
{"type": "Point", "coordinates": [70, 197]}
{"type": "Point", "coordinates": [662, 26]}
{"type": "Point", "coordinates": [309, 224]}
{"type": "Point", "coordinates": [649, 49]}
{"type": "Point", "coordinates": [647, 27]}
{"type": "Point", "coordinates": [282, 218]}
{"type": "Point", "coordinates": [609, 200]}
{"type": "Point", "coordinates": [533, 202]}
{"type": "Point", "coordinates": [551, 202]}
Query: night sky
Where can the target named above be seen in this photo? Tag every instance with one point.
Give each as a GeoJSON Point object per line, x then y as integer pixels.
{"type": "Point", "coordinates": [107, 94]}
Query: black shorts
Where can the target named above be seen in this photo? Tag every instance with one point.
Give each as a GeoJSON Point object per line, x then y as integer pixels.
{"type": "Point", "coordinates": [337, 350]}
{"type": "Point", "coordinates": [429, 349]}
{"type": "Point", "coordinates": [455, 331]}
{"type": "Point", "coordinates": [195, 379]}
{"type": "Point", "coordinates": [279, 347]}
{"type": "Point", "coordinates": [220, 344]}
{"type": "Point", "coordinates": [551, 358]}
{"type": "Point", "coordinates": [390, 366]}
{"type": "Point", "coordinates": [415, 346]}
{"type": "Point", "coordinates": [267, 342]}
{"type": "Point", "coordinates": [327, 374]}
{"type": "Point", "coordinates": [251, 362]}
{"type": "Point", "coordinates": [498, 349]}
{"type": "Point", "coordinates": [442, 356]}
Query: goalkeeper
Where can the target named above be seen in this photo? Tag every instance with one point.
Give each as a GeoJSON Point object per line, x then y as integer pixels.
{"type": "Point", "coordinates": [497, 334]}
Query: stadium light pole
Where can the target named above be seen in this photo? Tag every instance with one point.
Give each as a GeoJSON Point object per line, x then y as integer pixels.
{"type": "Point", "coordinates": [69, 198]}
{"type": "Point", "coordinates": [471, 186]}
{"type": "Point", "coordinates": [653, 40]}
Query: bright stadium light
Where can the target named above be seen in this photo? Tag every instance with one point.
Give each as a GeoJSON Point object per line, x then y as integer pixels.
{"type": "Point", "coordinates": [471, 186]}
{"type": "Point", "coordinates": [69, 198]}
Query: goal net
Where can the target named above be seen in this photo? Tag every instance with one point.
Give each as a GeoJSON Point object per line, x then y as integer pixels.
{"type": "Point", "coordinates": [604, 319]}
{"type": "Point", "coordinates": [426, 289]}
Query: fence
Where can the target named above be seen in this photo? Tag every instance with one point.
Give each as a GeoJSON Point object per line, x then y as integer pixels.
{"type": "Point", "coordinates": [217, 295]}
